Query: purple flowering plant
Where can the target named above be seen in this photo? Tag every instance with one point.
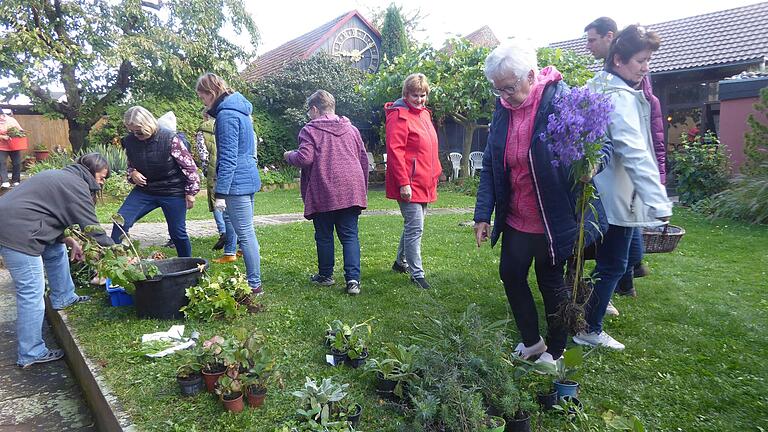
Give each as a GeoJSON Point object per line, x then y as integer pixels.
{"type": "Point", "coordinates": [575, 134]}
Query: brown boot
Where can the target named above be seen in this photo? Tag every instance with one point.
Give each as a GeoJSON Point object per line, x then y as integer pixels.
{"type": "Point", "coordinates": [225, 259]}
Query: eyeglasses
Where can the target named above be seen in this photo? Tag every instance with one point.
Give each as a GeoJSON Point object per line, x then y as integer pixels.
{"type": "Point", "coordinates": [509, 90]}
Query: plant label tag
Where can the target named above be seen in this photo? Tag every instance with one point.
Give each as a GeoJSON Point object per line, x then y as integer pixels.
{"type": "Point", "coordinates": [329, 359]}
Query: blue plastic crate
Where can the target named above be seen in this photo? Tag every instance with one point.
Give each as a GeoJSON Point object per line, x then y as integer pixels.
{"type": "Point", "coordinates": [117, 295]}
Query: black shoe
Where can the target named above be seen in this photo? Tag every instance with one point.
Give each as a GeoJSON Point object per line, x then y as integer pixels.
{"type": "Point", "coordinates": [400, 268]}
{"type": "Point", "coordinates": [169, 244]}
{"type": "Point", "coordinates": [626, 288]}
{"type": "Point", "coordinates": [322, 280]}
{"type": "Point", "coordinates": [641, 270]}
{"type": "Point", "coordinates": [421, 282]}
{"type": "Point", "coordinates": [220, 242]}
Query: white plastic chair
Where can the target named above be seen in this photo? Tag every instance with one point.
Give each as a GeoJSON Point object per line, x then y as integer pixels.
{"type": "Point", "coordinates": [371, 162]}
{"type": "Point", "coordinates": [455, 163]}
{"type": "Point", "coordinates": [475, 162]}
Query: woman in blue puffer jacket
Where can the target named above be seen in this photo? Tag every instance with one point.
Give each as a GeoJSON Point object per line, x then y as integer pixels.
{"type": "Point", "coordinates": [237, 176]}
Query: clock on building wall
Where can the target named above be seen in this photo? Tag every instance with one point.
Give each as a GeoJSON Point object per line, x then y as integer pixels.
{"type": "Point", "coordinates": [358, 47]}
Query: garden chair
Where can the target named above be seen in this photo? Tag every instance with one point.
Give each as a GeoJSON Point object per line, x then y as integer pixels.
{"type": "Point", "coordinates": [475, 162]}
{"type": "Point", "coordinates": [371, 162]}
{"type": "Point", "coordinates": [455, 163]}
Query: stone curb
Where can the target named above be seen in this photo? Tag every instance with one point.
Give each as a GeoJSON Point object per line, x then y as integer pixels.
{"type": "Point", "coordinates": [106, 409]}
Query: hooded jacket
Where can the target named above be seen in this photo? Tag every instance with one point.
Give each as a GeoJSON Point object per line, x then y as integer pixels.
{"type": "Point", "coordinates": [36, 213]}
{"type": "Point", "coordinates": [334, 165]}
{"type": "Point", "coordinates": [553, 186]}
{"type": "Point", "coordinates": [236, 170]}
{"type": "Point", "coordinates": [412, 152]}
{"type": "Point", "coordinates": [630, 186]}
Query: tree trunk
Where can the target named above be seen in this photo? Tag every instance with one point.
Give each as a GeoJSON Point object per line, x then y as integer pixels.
{"type": "Point", "coordinates": [77, 134]}
{"type": "Point", "coordinates": [469, 132]}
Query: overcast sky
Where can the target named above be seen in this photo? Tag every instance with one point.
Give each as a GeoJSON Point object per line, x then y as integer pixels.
{"type": "Point", "coordinates": [538, 21]}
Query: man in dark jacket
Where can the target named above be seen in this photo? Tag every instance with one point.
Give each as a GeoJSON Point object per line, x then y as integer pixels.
{"type": "Point", "coordinates": [600, 34]}
{"type": "Point", "coordinates": [35, 215]}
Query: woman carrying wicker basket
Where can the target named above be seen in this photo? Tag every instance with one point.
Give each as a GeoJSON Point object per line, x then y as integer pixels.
{"type": "Point", "coordinates": [629, 186]}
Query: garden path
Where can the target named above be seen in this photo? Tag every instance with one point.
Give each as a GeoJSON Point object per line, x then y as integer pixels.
{"type": "Point", "coordinates": [156, 233]}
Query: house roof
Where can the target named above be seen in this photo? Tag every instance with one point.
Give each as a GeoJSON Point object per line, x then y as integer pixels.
{"type": "Point", "coordinates": [484, 37]}
{"type": "Point", "coordinates": [300, 48]}
{"type": "Point", "coordinates": [731, 36]}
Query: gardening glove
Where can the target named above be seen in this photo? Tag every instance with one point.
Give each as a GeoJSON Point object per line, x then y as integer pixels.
{"type": "Point", "coordinates": [220, 204]}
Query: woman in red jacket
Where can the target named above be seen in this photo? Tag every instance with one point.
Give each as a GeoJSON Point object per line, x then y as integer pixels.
{"type": "Point", "coordinates": [413, 168]}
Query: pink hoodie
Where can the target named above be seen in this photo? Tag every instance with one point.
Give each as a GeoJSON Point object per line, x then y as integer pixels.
{"type": "Point", "coordinates": [524, 214]}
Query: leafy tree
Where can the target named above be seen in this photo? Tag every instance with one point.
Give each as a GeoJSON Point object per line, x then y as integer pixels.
{"type": "Point", "coordinates": [573, 66]}
{"type": "Point", "coordinates": [100, 51]}
{"type": "Point", "coordinates": [459, 89]}
{"type": "Point", "coordinates": [411, 20]}
{"type": "Point", "coordinates": [756, 140]}
{"type": "Point", "coordinates": [283, 94]}
{"type": "Point", "coordinates": [394, 40]}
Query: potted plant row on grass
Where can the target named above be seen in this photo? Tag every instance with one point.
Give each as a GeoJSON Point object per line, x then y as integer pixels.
{"type": "Point", "coordinates": [348, 343]}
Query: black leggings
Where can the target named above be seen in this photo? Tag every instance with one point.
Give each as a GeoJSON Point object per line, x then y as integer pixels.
{"type": "Point", "coordinates": [15, 160]}
{"type": "Point", "coordinates": [518, 250]}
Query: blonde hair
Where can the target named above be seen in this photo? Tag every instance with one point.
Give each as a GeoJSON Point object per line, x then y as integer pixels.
{"type": "Point", "coordinates": [415, 83]}
{"type": "Point", "coordinates": [138, 117]}
{"type": "Point", "coordinates": [213, 84]}
{"type": "Point", "coordinates": [324, 101]}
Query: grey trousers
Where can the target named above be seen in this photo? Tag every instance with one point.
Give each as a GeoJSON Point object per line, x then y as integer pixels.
{"type": "Point", "coordinates": [409, 249]}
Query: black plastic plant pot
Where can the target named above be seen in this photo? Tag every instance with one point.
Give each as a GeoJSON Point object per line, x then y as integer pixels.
{"type": "Point", "coordinates": [384, 385]}
{"type": "Point", "coordinates": [356, 363]}
{"type": "Point", "coordinates": [354, 417]}
{"type": "Point", "coordinates": [162, 296]}
{"type": "Point", "coordinates": [519, 424]}
{"type": "Point", "coordinates": [191, 385]}
{"type": "Point", "coordinates": [548, 399]}
{"type": "Point", "coordinates": [566, 388]}
{"type": "Point", "coordinates": [573, 404]}
{"type": "Point", "coordinates": [338, 357]}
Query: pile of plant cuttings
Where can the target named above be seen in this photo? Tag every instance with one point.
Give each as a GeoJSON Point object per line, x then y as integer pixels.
{"type": "Point", "coordinates": [225, 295]}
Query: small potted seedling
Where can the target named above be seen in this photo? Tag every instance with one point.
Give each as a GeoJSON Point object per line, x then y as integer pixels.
{"type": "Point", "coordinates": [395, 372]}
{"type": "Point", "coordinates": [41, 152]}
{"type": "Point", "coordinates": [213, 365]}
{"type": "Point", "coordinates": [230, 390]}
{"type": "Point", "coordinates": [564, 370]}
{"type": "Point", "coordinates": [188, 373]}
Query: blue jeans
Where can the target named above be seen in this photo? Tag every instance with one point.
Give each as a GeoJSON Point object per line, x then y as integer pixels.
{"type": "Point", "coordinates": [612, 258]}
{"type": "Point", "coordinates": [345, 222]}
{"type": "Point", "coordinates": [240, 213]}
{"type": "Point", "coordinates": [29, 279]}
{"type": "Point", "coordinates": [635, 257]}
{"type": "Point", "coordinates": [137, 204]}
{"type": "Point", "coordinates": [224, 226]}
{"type": "Point", "coordinates": [409, 249]}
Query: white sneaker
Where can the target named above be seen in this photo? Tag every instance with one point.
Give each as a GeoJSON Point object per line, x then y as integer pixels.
{"type": "Point", "coordinates": [548, 359]}
{"type": "Point", "coordinates": [598, 339]}
{"type": "Point", "coordinates": [533, 350]}
{"type": "Point", "coordinates": [15, 184]}
{"type": "Point", "coordinates": [5, 185]}
{"type": "Point", "coordinates": [611, 309]}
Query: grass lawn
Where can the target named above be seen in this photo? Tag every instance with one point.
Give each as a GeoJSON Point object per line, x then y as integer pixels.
{"type": "Point", "coordinates": [695, 335]}
{"type": "Point", "coordinates": [280, 201]}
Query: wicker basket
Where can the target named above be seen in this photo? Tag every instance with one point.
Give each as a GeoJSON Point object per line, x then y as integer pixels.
{"type": "Point", "coordinates": [662, 239]}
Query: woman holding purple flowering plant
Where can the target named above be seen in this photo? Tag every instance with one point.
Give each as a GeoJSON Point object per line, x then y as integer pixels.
{"type": "Point", "coordinates": [629, 186]}
{"type": "Point", "coordinates": [532, 194]}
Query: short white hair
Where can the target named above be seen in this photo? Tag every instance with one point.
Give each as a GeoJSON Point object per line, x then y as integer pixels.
{"type": "Point", "coordinates": [510, 58]}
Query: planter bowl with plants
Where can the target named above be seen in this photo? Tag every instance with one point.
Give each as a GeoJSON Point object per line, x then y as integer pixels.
{"type": "Point", "coordinates": [17, 139]}
{"type": "Point", "coordinates": [188, 374]}
{"type": "Point", "coordinates": [495, 424]}
{"type": "Point", "coordinates": [41, 152]}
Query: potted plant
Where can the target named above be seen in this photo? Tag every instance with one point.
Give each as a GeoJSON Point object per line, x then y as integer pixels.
{"type": "Point", "coordinates": [320, 403]}
{"type": "Point", "coordinates": [213, 364]}
{"type": "Point", "coordinates": [342, 336]}
{"type": "Point", "coordinates": [564, 370]}
{"type": "Point", "coordinates": [188, 373]}
{"type": "Point", "coordinates": [514, 405]}
{"type": "Point", "coordinates": [229, 388]}
{"type": "Point", "coordinates": [395, 372]}
{"type": "Point", "coordinates": [352, 413]}
{"type": "Point", "coordinates": [17, 139]}
{"type": "Point", "coordinates": [494, 424]}
{"type": "Point", "coordinates": [41, 152]}
{"type": "Point", "coordinates": [546, 396]}
{"type": "Point", "coordinates": [258, 376]}
{"type": "Point", "coordinates": [357, 351]}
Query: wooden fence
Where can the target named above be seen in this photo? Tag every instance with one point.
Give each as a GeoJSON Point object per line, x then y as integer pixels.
{"type": "Point", "coordinates": [41, 130]}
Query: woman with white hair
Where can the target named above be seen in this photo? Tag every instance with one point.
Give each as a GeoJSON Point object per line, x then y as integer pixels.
{"type": "Point", "coordinates": [534, 201]}
{"type": "Point", "coordinates": [164, 175]}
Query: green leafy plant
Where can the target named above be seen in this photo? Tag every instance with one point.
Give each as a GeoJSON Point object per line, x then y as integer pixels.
{"type": "Point", "coordinates": [320, 402]}
{"type": "Point", "coordinates": [14, 132]}
{"type": "Point", "coordinates": [221, 296]}
{"type": "Point", "coordinates": [189, 362]}
{"type": "Point", "coordinates": [40, 147]}
{"type": "Point", "coordinates": [700, 167]}
{"type": "Point", "coordinates": [397, 365]}
{"type": "Point", "coordinates": [756, 139]}
{"type": "Point", "coordinates": [228, 387]}
{"type": "Point", "coordinates": [746, 199]}
{"type": "Point", "coordinates": [115, 156]}
{"type": "Point", "coordinates": [351, 339]}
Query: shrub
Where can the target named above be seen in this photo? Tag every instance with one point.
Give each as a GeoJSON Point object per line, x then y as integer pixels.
{"type": "Point", "coordinates": [746, 199]}
{"type": "Point", "coordinates": [756, 140]}
{"type": "Point", "coordinates": [273, 175]}
{"type": "Point", "coordinates": [117, 186]}
{"type": "Point", "coordinates": [700, 167]}
{"type": "Point", "coordinates": [114, 153]}
{"type": "Point", "coordinates": [275, 137]}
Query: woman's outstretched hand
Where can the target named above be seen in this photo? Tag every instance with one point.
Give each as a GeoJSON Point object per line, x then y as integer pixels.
{"type": "Point", "coordinates": [482, 232]}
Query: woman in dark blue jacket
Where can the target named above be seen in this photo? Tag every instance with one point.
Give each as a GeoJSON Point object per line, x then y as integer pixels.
{"type": "Point", "coordinates": [237, 176]}
{"type": "Point", "coordinates": [534, 201]}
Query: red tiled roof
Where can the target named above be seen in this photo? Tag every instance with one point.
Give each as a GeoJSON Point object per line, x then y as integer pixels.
{"type": "Point", "coordinates": [483, 37]}
{"type": "Point", "coordinates": [730, 36]}
{"type": "Point", "coordinates": [300, 48]}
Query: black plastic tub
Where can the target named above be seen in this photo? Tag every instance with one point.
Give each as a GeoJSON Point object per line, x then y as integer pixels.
{"type": "Point", "coordinates": [162, 296]}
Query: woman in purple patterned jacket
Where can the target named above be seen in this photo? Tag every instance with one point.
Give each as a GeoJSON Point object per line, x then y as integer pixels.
{"type": "Point", "coordinates": [334, 183]}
